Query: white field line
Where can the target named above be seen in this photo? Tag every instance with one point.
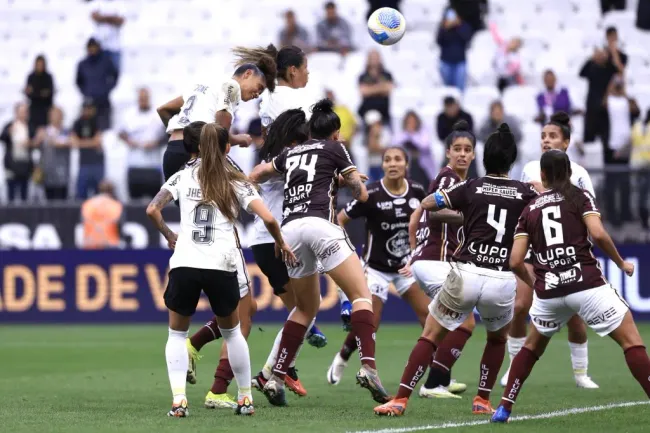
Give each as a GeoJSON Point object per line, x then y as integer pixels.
{"type": "Point", "coordinates": [554, 414]}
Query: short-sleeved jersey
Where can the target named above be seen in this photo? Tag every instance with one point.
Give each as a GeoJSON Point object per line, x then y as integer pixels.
{"type": "Point", "coordinates": [282, 99]}
{"type": "Point", "coordinates": [203, 102]}
{"type": "Point", "coordinates": [387, 224]}
{"type": "Point", "coordinates": [564, 262]}
{"type": "Point", "coordinates": [438, 241]}
{"type": "Point", "coordinates": [311, 178]}
{"type": "Point", "coordinates": [491, 207]}
{"type": "Point", "coordinates": [206, 239]}
{"type": "Point", "coordinates": [579, 176]}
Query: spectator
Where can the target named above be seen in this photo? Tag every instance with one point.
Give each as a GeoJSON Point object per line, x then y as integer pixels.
{"type": "Point", "coordinates": [373, 5]}
{"type": "Point", "coordinates": [599, 70]}
{"type": "Point", "coordinates": [377, 138]}
{"type": "Point", "coordinates": [101, 216]}
{"type": "Point", "coordinates": [643, 15]}
{"type": "Point", "coordinates": [507, 61]}
{"type": "Point", "coordinates": [293, 33]}
{"type": "Point", "coordinates": [497, 117]}
{"type": "Point", "coordinates": [54, 142]}
{"type": "Point", "coordinates": [454, 36]}
{"type": "Point", "coordinates": [333, 33]}
{"type": "Point", "coordinates": [451, 114]}
{"type": "Point", "coordinates": [18, 157]}
{"type": "Point", "coordinates": [612, 5]}
{"type": "Point", "coordinates": [417, 141]}
{"type": "Point", "coordinates": [96, 78]}
{"type": "Point", "coordinates": [640, 160]}
{"type": "Point", "coordinates": [39, 90]}
{"type": "Point", "coordinates": [552, 100]}
{"type": "Point", "coordinates": [471, 12]}
{"type": "Point", "coordinates": [348, 120]}
{"type": "Point", "coordinates": [376, 85]}
{"type": "Point", "coordinates": [87, 137]}
{"type": "Point", "coordinates": [109, 19]}
{"type": "Point", "coordinates": [622, 111]}
{"type": "Point", "coordinates": [144, 134]}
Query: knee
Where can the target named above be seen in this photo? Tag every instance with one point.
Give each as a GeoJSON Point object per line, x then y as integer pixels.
{"type": "Point", "coordinates": [522, 306]}
{"type": "Point", "coordinates": [497, 339]}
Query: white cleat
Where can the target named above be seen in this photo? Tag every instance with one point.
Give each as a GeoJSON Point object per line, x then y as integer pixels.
{"type": "Point", "coordinates": [584, 381]}
{"type": "Point", "coordinates": [504, 379]}
{"type": "Point", "coordinates": [437, 392]}
{"type": "Point", "coordinates": [335, 372]}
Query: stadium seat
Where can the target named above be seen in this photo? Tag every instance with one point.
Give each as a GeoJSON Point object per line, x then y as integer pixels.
{"type": "Point", "coordinates": [520, 102]}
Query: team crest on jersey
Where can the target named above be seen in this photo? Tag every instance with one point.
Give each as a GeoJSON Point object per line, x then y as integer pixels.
{"type": "Point", "coordinates": [398, 244]}
{"type": "Point", "coordinates": [414, 203]}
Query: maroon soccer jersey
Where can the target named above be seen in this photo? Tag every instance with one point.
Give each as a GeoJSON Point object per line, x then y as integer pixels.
{"type": "Point", "coordinates": [491, 207]}
{"type": "Point", "coordinates": [310, 172]}
{"type": "Point", "coordinates": [436, 240]}
{"type": "Point", "coordinates": [387, 224]}
{"type": "Point", "coordinates": [564, 262]}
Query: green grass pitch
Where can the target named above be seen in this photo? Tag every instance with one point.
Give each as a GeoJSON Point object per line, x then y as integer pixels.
{"type": "Point", "coordinates": [113, 379]}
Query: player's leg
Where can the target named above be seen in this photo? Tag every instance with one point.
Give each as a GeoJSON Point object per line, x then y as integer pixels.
{"type": "Point", "coordinates": [579, 353]}
{"type": "Point", "coordinates": [627, 336]}
{"type": "Point", "coordinates": [519, 325]}
{"type": "Point", "coordinates": [417, 300]}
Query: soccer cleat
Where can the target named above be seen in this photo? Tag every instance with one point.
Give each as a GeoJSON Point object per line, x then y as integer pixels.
{"type": "Point", "coordinates": [481, 406]}
{"type": "Point", "coordinates": [244, 407]}
{"type": "Point", "coordinates": [274, 392]}
{"type": "Point", "coordinates": [504, 378]}
{"type": "Point", "coordinates": [437, 392]}
{"type": "Point", "coordinates": [193, 356]}
{"type": "Point", "coordinates": [395, 407]}
{"type": "Point", "coordinates": [456, 387]}
{"type": "Point", "coordinates": [293, 383]}
{"type": "Point", "coordinates": [369, 379]}
{"type": "Point", "coordinates": [335, 372]}
{"type": "Point", "coordinates": [179, 410]}
{"type": "Point", "coordinates": [259, 381]}
{"type": "Point", "coordinates": [316, 338]}
{"type": "Point", "coordinates": [346, 314]}
{"type": "Point", "coordinates": [501, 415]}
{"type": "Point", "coordinates": [219, 401]}
{"type": "Point", "coordinates": [584, 381]}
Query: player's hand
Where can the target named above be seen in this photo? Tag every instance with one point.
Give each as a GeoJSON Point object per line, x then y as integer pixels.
{"type": "Point", "coordinates": [628, 268]}
{"type": "Point", "coordinates": [171, 241]}
{"type": "Point", "coordinates": [284, 252]}
{"type": "Point", "coordinates": [244, 140]}
{"type": "Point", "coordinates": [537, 185]}
{"type": "Point", "coordinates": [406, 271]}
{"type": "Point", "coordinates": [364, 177]}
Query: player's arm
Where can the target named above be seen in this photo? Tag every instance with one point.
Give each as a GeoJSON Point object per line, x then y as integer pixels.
{"type": "Point", "coordinates": [603, 241]}
{"type": "Point", "coordinates": [354, 181]}
{"type": "Point", "coordinates": [414, 221]}
{"type": "Point", "coordinates": [343, 218]}
{"type": "Point", "coordinates": [170, 109]}
{"type": "Point", "coordinates": [447, 216]}
{"type": "Point", "coordinates": [154, 212]}
{"type": "Point", "coordinates": [517, 257]}
{"type": "Point", "coordinates": [258, 207]}
{"type": "Point", "coordinates": [434, 202]}
{"type": "Point", "coordinates": [263, 172]}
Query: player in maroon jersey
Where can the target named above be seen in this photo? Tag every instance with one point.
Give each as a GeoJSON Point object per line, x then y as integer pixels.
{"type": "Point", "coordinates": [568, 279]}
{"type": "Point", "coordinates": [311, 172]}
{"type": "Point", "coordinates": [436, 242]}
{"type": "Point", "coordinates": [480, 277]}
{"type": "Point", "coordinates": [391, 201]}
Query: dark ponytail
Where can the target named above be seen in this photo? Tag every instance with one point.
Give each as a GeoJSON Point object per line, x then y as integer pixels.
{"type": "Point", "coordinates": [289, 127]}
{"type": "Point", "coordinates": [562, 121]}
{"type": "Point", "coordinates": [460, 130]}
{"type": "Point", "coordinates": [556, 167]}
{"type": "Point", "coordinates": [264, 59]}
{"type": "Point", "coordinates": [324, 121]}
{"type": "Point", "coordinates": [192, 136]}
{"type": "Point", "coordinates": [500, 151]}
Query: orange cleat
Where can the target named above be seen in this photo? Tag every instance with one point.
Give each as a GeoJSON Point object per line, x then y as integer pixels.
{"type": "Point", "coordinates": [480, 406]}
{"type": "Point", "coordinates": [293, 383]}
{"type": "Point", "coordinates": [395, 407]}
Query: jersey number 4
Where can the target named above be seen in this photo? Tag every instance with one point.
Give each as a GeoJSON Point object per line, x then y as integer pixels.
{"type": "Point", "coordinates": [500, 224]}
{"type": "Point", "coordinates": [300, 162]}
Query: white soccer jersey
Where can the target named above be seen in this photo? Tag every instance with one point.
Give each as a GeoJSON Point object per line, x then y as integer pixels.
{"type": "Point", "coordinates": [273, 104]}
{"type": "Point", "coordinates": [206, 239]}
{"type": "Point", "coordinates": [203, 101]}
{"type": "Point", "coordinates": [579, 176]}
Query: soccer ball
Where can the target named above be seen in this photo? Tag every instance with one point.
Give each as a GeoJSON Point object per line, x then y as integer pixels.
{"type": "Point", "coordinates": [386, 26]}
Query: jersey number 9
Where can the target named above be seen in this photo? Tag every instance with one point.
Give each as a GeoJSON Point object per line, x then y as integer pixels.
{"type": "Point", "coordinates": [203, 220]}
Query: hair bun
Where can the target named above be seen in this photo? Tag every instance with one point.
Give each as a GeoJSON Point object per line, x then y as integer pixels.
{"type": "Point", "coordinates": [461, 125]}
{"type": "Point", "coordinates": [504, 128]}
{"type": "Point", "coordinates": [272, 51]}
{"type": "Point", "coordinates": [561, 117]}
{"type": "Point", "coordinates": [323, 106]}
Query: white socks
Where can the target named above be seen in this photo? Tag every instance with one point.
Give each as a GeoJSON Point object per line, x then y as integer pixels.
{"type": "Point", "coordinates": [177, 363]}
{"type": "Point", "coordinates": [514, 346]}
{"type": "Point", "coordinates": [268, 366]}
{"type": "Point", "coordinates": [240, 360]}
{"type": "Point", "coordinates": [579, 358]}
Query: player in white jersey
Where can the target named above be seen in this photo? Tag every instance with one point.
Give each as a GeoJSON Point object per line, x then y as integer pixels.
{"type": "Point", "coordinates": [217, 102]}
{"type": "Point", "coordinates": [555, 135]}
{"type": "Point", "coordinates": [205, 258]}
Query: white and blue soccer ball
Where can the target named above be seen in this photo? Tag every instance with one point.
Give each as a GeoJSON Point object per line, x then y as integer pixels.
{"type": "Point", "coordinates": [386, 26]}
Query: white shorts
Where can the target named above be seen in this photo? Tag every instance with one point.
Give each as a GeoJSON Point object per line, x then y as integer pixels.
{"type": "Point", "coordinates": [467, 286]}
{"type": "Point", "coordinates": [430, 275]}
{"type": "Point", "coordinates": [379, 282]}
{"type": "Point", "coordinates": [242, 276]}
{"type": "Point", "coordinates": [601, 308]}
{"type": "Point", "coordinates": [314, 239]}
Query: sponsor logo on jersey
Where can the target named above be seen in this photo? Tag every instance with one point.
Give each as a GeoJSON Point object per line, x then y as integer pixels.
{"type": "Point", "coordinates": [602, 317]}
{"type": "Point", "coordinates": [385, 205]}
{"type": "Point", "coordinates": [175, 180]}
{"type": "Point", "coordinates": [399, 201]}
{"type": "Point", "coordinates": [445, 311]}
{"type": "Point", "coordinates": [499, 190]}
{"type": "Point", "coordinates": [399, 213]}
{"type": "Point", "coordinates": [559, 256]}
{"type": "Point", "coordinates": [398, 244]}
{"type": "Point", "coordinates": [546, 199]}
{"type": "Point", "coordinates": [414, 203]}
{"type": "Point", "coordinates": [329, 251]}
{"type": "Point", "coordinates": [305, 148]}
{"type": "Point", "coordinates": [545, 323]}
{"type": "Point", "coordinates": [385, 226]}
